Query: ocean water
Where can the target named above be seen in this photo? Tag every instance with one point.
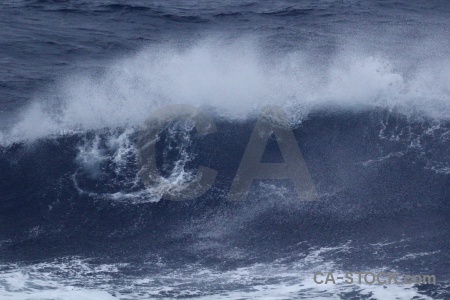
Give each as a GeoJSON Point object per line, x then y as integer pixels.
{"type": "Point", "coordinates": [365, 86]}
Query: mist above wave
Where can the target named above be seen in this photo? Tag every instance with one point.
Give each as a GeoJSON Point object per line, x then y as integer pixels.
{"type": "Point", "coordinates": [235, 79]}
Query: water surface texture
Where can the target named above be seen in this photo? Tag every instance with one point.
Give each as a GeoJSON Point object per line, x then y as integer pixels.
{"type": "Point", "coordinates": [365, 86]}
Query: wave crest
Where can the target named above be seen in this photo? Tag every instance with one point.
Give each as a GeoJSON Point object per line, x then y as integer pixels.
{"type": "Point", "coordinates": [235, 79]}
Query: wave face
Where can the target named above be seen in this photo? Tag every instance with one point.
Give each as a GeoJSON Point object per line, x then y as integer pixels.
{"type": "Point", "coordinates": [367, 100]}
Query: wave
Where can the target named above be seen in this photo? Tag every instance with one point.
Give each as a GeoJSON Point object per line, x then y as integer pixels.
{"type": "Point", "coordinates": [374, 135]}
{"type": "Point", "coordinates": [375, 141]}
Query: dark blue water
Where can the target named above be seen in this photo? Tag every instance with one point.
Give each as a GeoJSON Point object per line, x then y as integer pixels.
{"type": "Point", "coordinates": [365, 86]}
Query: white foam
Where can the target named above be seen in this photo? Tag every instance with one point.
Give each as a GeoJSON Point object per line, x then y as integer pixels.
{"type": "Point", "coordinates": [115, 150]}
{"type": "Point", "coordinates": [287, 278]}
{"type": "Point", "coordinates": [235, 78]}
{"type": "Point", "coordinates": [39, 282]}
